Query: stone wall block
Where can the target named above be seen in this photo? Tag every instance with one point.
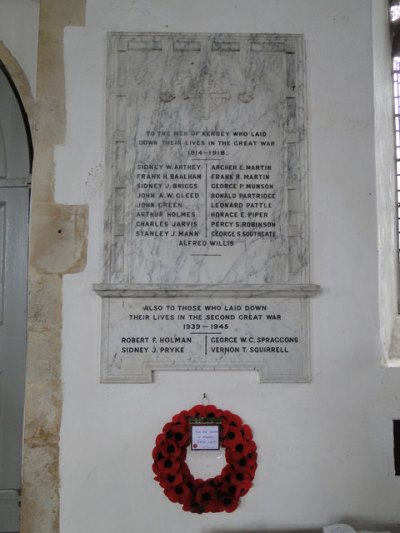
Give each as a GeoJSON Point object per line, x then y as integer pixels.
{"type": "Point", "coordinates": [40, 491]}
{"type": "Point", "coordinates": [59, 238]}
{"type": "Point", "coordinates": [42, 425]}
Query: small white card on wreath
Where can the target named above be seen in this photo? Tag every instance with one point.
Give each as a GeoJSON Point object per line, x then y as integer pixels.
{"type": "Point", "coordinates": [205, 436]}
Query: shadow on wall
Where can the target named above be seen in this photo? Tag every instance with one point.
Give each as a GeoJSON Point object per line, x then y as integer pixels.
{"type": "Point", "coordinates": [357, 525]}
{"type": "Point", "coordinates": [261, 530]}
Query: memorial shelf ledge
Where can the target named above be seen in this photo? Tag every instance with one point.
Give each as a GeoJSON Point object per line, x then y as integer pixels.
{"type": "Point", "coordinates": [109, 290]}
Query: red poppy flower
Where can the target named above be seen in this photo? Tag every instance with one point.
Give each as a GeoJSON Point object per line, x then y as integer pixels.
{"type": "Point", "coordinates": [157, 454]}
{"type": "Point", "coordinates": [171, 480]}
{"type": "Point", "coordinates": [156, 470]}
{"type": "Point", "coordinates": [168, 466]}
{"type": "Point", "coordinates": [242, 480]}
{"type": "Point", "coordinates": [177, 432]}
{"type": "Point", "coordinates": [231, 418]}
{"type": "Point", "coordinates": [160, 439]}
{"type": "Point", "coordinates": [212, 412]}
{"type": "Point", "coordinates": [229, 503]}
{"type": "Point", "coordinates": [241, 449]}
{"type": "Point", "coordinates": [215, 481]}
{"type": "Point", "coordinates": [196, 507]}
{"type": "Point", "coordinates": [244, 465]}
{"type": "Point", "coordinates": [170, 449]}
{"type": "Point", "coordinates": [232, 490]}
{"type": "Point", "coordinates": [198, 411]}
{"type": "Point", "coordinates": [197, 483]}
{"type": "Point", "coordinates": [236, 491]}
{"type": "Point", "coordinates": [231, 436]}
{"type": "Point", "coordinates": [225, 471]}
{"type": "Point", "coordinates": [246, 431]}
{"type": "Point", "coordinates": [181, 418]}
{"type": "Point", "coordinates": [212, 506]}
{"type": "Point", "coordinates": [188, 503]}
{"type": "Point", "coordinates": [178, 493]}
{"type": "Point", "coordinates": [252, 472]}
{"type": "Point", "coordinates": [167, 427]}
{"type": "Point", "coordinates": [205, 494]}
{"type": "Point", "coordinates": [252, 458]}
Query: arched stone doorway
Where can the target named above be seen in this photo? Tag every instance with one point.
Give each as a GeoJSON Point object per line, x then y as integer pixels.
{"type": "Point", "coordinates": [15, 170]}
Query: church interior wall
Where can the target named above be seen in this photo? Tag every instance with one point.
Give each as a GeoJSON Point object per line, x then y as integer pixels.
{"type": "Point", "coordinates": [325, 447]}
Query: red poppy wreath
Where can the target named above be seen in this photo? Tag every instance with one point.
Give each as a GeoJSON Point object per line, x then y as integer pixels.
{"type": "Point", "coordinates": [217, 494]}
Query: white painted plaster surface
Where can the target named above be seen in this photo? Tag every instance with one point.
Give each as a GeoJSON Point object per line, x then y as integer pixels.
{"type": "Point", "coordinates": [325, 448]}
{"type": "Point", "coordinates": [19, 26]}
{"type": "Point", "coordinates": [344, 528]}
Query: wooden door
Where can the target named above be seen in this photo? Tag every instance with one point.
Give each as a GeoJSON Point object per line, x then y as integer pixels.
{"type": "Point", "coordinates": [15, 163]}
{"type": "Point", "coordinates": [14, 204]}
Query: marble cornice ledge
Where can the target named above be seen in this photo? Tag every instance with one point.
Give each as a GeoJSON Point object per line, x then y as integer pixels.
{"type": "Point", "coordinates": [109, 290]}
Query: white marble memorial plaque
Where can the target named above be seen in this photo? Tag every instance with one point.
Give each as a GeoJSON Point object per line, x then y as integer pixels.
{"type": "Point", "coordinates": [207, 196]}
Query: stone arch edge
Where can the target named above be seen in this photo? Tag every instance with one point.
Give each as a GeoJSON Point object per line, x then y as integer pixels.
{"type": "Point", "coordinates": [20, 81]}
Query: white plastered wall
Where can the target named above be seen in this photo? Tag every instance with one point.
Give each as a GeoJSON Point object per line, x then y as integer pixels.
{"type": "Point", "coordinates": [19, 30]}
{"type": "Point", "coordinates": [325, 448]}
